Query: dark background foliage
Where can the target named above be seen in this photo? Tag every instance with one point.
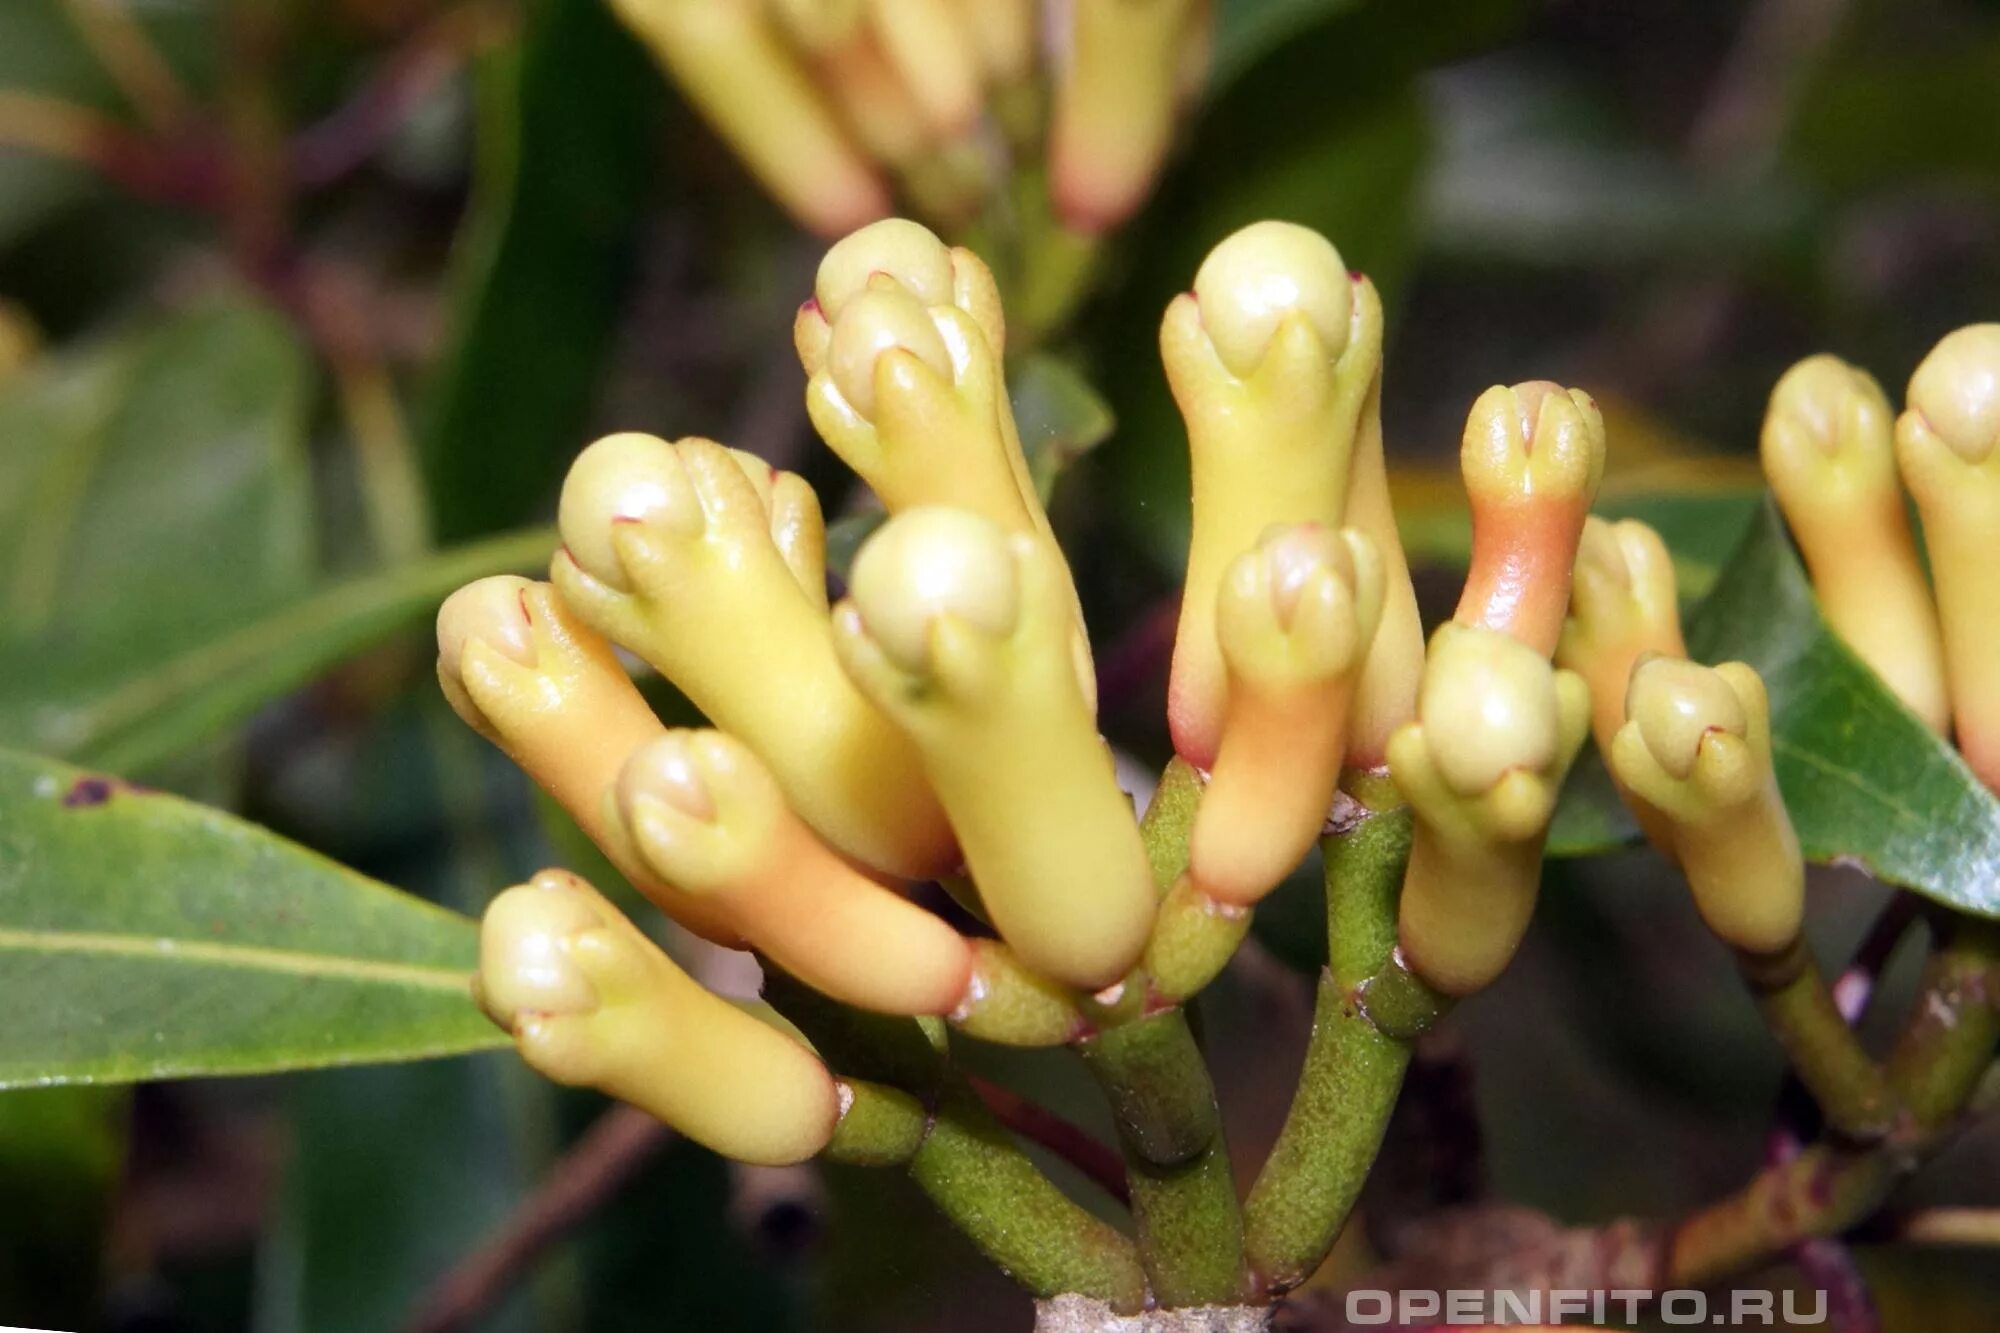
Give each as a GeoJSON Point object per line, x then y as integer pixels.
{"type": "Point", "coordinates": [209, 581]}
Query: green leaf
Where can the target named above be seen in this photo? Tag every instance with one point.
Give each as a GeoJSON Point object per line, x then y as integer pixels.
{"type": "Point", "coordinates": [564, 122]}
{"type": "Point", "coordinates": [147, 937]}
{"type": "Point", "coordinates": [1060, 416]}
{"type": "Point", "coordinates": [1866, 782]}
{"type": "Point", "coordinates": [147, 707]}
{"type": "Point", "coordinates": [154, 487]}
{"type": "Point", "coordinates": [1247, 30]}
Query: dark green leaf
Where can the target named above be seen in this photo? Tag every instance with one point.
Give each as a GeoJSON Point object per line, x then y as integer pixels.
{"type": "Point", "coordinates": [1060, 416]}
{"type": "Point", "coordinates": [147, 937]}
{"type": "Point", "coordinates": [1247, 30]}
{"type": "Point", "coordinates": [564, 120]}
{"type": "Point", "coordinates": [135, 713]}
{"type": "Point", "coordinates": [1866, 782]}
{"type": "Point", "coordinates": [61, 1153]}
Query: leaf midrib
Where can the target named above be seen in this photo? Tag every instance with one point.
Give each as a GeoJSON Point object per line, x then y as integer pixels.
{"type": "Point", "coordinates": [245, 957]}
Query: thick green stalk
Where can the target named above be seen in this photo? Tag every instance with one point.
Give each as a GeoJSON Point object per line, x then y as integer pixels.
{"type": "Point", "coordinates": [1851, 1088]}
{"type": "Point", "coordinates": [1354, 1062]}
{"type": "Point", "coordinates": [1935, 1071]}
{"type": "Point", "coordinates": [967, 1162]}
{"type": "Point", "coordinates": [1183, 1196]}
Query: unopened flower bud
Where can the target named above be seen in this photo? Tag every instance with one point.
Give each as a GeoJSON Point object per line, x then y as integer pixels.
{"type": "Point", "coordinates": [1272, 360]}
{"type": "Point", "coordinates": [876, 325]}
{"type": "Point", "coordinates": [1697, 748]}
{"type": "Point", "coordinates": [590, 1001]}
{"type": "Point", "coordinates": [1117, 92]}
{"type": "Point", "coordinates": [1003, 34]}
{"type": "Point", "coordinates": [1295, 619]}
{"type": "Point", "coordinates": [906, 251]}
{"type": "Point", "coordinates": [1496, 731]}
{"type": "Point", "coordinates": [735, 67]}
{"type": "Point", "coordinates": [530, 676]}
{"type": "Point", "coordinates": [1532, 459]}
{"type": "Point", "coordinates": [1948, 446]}
{"type": "Point", "coordinates": [976, 663]}
{"type": "Point", "coordinates": [1623, 605]}
{"type": "Point", "coordinates": [1828, 455]}
{"type": "Point", "coordinates": [934, 563]}
{"type": "Point", "coordinates": [708, 817]}
{"type": "Point", "coordinates": [669, 552]}
{"type": "Point", "coordinates": [1263, 275]}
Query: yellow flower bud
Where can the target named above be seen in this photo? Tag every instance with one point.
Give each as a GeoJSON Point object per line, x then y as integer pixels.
{"type": "Point", "coordinates": [1697, 748]}
{"type": "Point", "coordinates": [591, 1002]}
{"type": "Point", "coordinates": [1117, 91]}
{"type": "Point", "coordinates": [964, 634]}
{"type": "Point", "coordinates": [928, 45]}
{"type": "Point", "coordinates": [1829, 457]}
{"type": "Point", "coordinates": [1295, 619]}
{"type": "Point", "coordinates": [1948, 446]}
{"type": "Point", "coordinates": [876, 327]}
{"type": "Point", "coordinates": [531, 677]}
{"type": "Point", "coordinates": [848, 61]}
{"type": "Point", "coordinates": [1271, 360]}
{"type": "Point", "coordinates": [708, 817]}
{"type": "Point", "coordinates": [798, 529]}
{"type": "Point", "coordinates": [1496, 731]}
{"type": "Point", "coordinates": [1386, 697]}
{"type": "Point", "coordinates": [734, 66]}
{"type": "Point", "coordinates": [1622, 606]}
{"type": "Point", "coordinates": [1532, 460]}
{"type": "Point", "coordinates": [668, 551]}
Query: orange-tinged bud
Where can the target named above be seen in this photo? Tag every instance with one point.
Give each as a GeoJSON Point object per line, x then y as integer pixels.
{"type": "Point", "coordinates": [1948, 446]}
{"type": "Point", "coordinates": [1532, 459]}
{"type": "Point", "coordinates": [1697, 748]}
{"type": "Point", "coordinates": [1623, 605]}
{"type": "Point", "coordinates": [1295, 619]}
{"type": "Point", "coordinates": [707, 816]}
{"type": "Point", "coordinates": [590, 1001]}
{"type": "Point", "coordinates": [734, 66]}
{"type": "Point", "coordinates": [1496, 731]}
{"type": "Point", "coordinates": [1271, 360]}
{"type": "Point", "coordinates": [1121, 63]}
{"type": "Point", "coordinates": [1828, 454]}
{"type": "Point", "coordinates": [668, 551]}
{"type": "Point", "coordinates": [531, 677]}
{"type": "Point", "coordinates": [964, 634]}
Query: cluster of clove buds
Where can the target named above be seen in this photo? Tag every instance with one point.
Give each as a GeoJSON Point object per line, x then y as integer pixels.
{"type": "Point", "coordinates": [839, 107]}
{"type": "Point", "coordinates": [938, 723]}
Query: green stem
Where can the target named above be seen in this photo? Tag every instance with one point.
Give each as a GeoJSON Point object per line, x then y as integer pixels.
{"type": "Point", "coordinates": [1368, 1012]}
{"type": "Point", "coordinates": [967, 1162]}
{"type": "Point", "coordinates": [1935, 1072]}
{"type": "Point", "coordinates": [1183, 1196]}
{"type": "Point", "coordinates": [1851, 1088]}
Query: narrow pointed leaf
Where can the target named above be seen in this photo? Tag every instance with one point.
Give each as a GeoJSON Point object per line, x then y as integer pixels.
{"type": "Point", "coordinates": [142, 936]}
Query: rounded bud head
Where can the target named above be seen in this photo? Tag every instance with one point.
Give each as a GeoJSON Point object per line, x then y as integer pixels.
{"type": "Point", "coordinates": [927, 562]}
{"type": "Point", "coordinates": [1263, 273]}
{"type": "Point", "coordinates": [880, 320]}
{"type": "Point", "coordinates": [667, 769]}
{"type": "Point", "coordinates": [489, 611]}
{"type": "Point", "coordinates": [627, 477]}
{"type": "Point", "coordinates": [906, 251]}
{"type": "Point", "coordinates": [1816, 399]}
{"type": "Point", "coordinates": [1488, 706]}
{"type": "Point", "coordinates": [1677, 703]}
{"type": "Point", "coordinates": [1297, 553]}
{"type": "Point", "coordinates": [524, 963]}
{"type": "Point", "coordinates": [1956, 390]}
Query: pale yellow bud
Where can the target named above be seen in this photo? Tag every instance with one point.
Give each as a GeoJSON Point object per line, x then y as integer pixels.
{"type": "Point", "coordinates": [1491, 703]}
{"type": "Point", "coordinates": [1946, 447]}
{"type": "Point", "coordinates": [933, 562]}
{"type": "Point", "coordinates": [1697, 749]}
{"type": "Point", "coordinates": [906, 251]}
{"type": "Point", "coordinates": [1261, 276]}
{"type": "Point", "coordinates": [590, 1001]}
{"type": "Point", "coordinates": [872, 325]}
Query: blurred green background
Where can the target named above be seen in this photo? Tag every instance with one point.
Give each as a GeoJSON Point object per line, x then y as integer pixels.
{"type": "Point", "coordinates": [320, 349]}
